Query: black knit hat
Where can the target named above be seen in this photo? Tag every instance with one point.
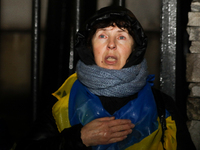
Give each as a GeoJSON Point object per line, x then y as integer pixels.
{"type": "Point", "coordinates": [110, 12]}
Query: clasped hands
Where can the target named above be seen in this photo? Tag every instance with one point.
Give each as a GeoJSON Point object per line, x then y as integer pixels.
{"type": "Point", "coordinates": [105, 131]}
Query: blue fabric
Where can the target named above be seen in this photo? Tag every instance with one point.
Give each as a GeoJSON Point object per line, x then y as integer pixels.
{"type": "Point", "coordinates": [85, 107]}
{"type": "Point", "coordinates": [110, 82]}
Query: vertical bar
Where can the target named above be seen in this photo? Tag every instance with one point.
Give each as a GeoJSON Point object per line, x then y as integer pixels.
{"type": "Point", "coordinates": [0, 15]}
{"type": "Point", "coordinates": [56, 50]}
{"type": "Point", "coordinates": [183, 44]}
{"type": "Point", "coordinates": [80, 12]}
{"type": "Point", "coordinates": [168, 47]}
{"type": "Point", "coordinates": [119, 3]}
{"type": "Point", "coordinates": [36, 4]}
{"type": "Point", "coordinates": [77, 19]}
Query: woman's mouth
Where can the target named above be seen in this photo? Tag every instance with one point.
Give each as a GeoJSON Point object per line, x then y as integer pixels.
{"type": "Point", "coordinates": [111, 60]}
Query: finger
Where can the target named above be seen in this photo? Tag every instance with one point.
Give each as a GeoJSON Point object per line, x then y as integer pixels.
{"type": "Point", "coordinates": [121, 133]}
{"type": "Point", "coordinates": [114, 140]}
{"type": "Point", "coordinates": [118, 122]}
{"type": "Point", "coordinates": [106, 119]}
{"type": "Point", "coordinates": [123, 127]}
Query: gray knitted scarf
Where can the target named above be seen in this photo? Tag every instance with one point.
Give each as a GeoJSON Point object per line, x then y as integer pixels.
{"type": "Point", "coordinates": [113, 83]}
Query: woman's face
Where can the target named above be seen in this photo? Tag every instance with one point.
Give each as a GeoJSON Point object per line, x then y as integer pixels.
{"type": "Point", "coordinates": [112, 47]}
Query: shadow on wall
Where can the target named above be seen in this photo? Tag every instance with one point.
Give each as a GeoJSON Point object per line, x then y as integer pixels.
{"type": "Point", "coordinates": [15, 102]}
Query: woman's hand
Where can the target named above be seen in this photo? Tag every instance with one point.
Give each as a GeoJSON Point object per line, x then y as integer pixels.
{"type": "Point", "coordinates": [105, 131]}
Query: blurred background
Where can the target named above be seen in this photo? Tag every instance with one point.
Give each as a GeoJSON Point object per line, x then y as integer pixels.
{"type": "Point", "coordinates": [57, 24]}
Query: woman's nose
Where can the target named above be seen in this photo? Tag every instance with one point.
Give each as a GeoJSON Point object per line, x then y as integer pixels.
{"type": "Point", "coordinates": [111, 44]}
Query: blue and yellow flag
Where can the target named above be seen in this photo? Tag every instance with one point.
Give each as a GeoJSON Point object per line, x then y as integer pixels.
{"type": "Point", "coordinates": [78, 105]}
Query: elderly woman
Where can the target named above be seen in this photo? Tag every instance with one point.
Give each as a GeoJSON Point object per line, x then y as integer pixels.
{"type": "Point", "coordinates": [109, 103]}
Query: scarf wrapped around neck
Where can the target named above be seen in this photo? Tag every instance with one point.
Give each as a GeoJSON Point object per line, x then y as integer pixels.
{"type": "Point", "coordinates": [113, 83]}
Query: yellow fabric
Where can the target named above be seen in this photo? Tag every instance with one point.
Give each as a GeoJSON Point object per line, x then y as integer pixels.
{"type": "Point", "coordinates": [60, 109]}
{"type": "Point", "coordinates": [66, 87]}
{"type": "Point", "coordinates": [152, 142]}
{"type": "Point", "coordinates": [170, 135]}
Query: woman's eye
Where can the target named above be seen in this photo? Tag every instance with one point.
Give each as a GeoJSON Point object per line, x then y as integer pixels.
{"type": "Point", "coordinates": [121, 37]}
{"type": "Point", "coordinates": [102, 36]}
